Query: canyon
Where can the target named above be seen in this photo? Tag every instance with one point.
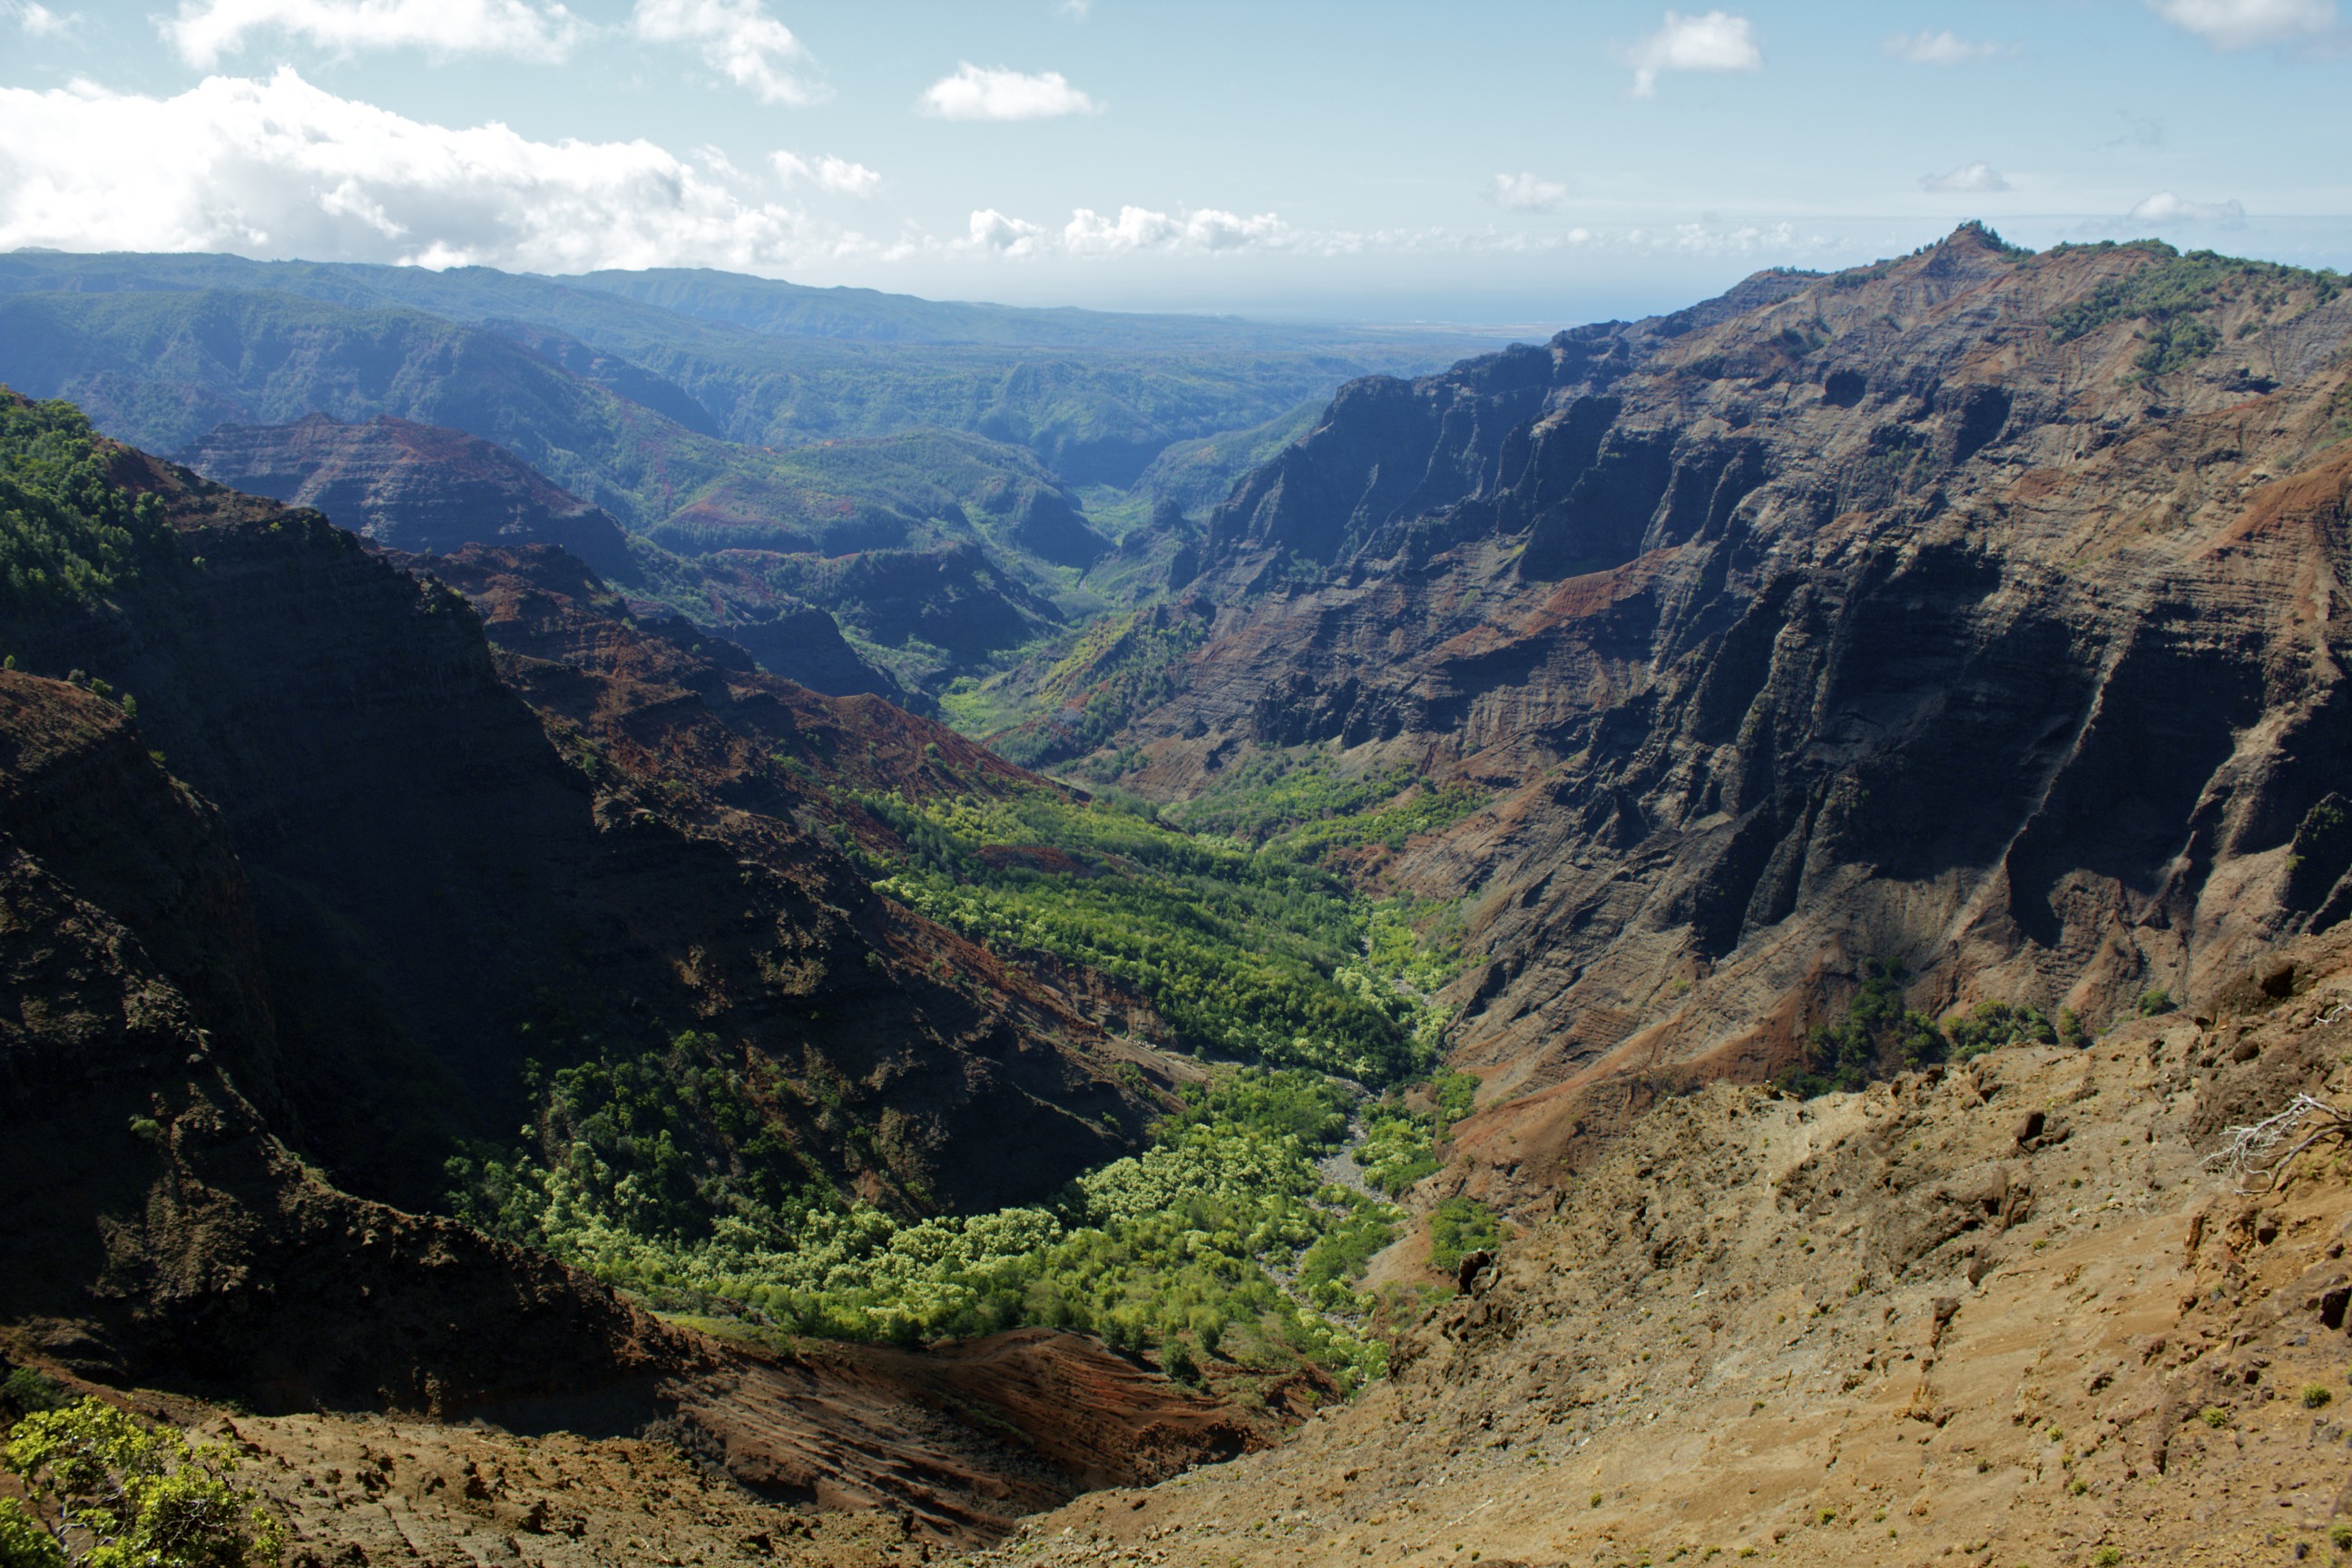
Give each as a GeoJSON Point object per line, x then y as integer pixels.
{"type": "Point", "coordinates": [1952, 638]}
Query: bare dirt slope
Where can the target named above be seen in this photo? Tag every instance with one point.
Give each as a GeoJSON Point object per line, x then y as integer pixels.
{"type": "Point", "coordinates": [1992, 1313]}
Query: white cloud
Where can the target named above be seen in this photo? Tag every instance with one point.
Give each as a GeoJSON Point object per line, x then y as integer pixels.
{"type": "Point", "coordinates": [1524, 193]}
{"type": "Point", "coordinates": [2246, 24]}
{"type": "Point", "coordinates": [1076, 10]}
{"type": "Point", "coordinates": [205, 30]}
{"type": "Point", "coordinates": [277, 168]}
{"type": "Point", "coordinates": [976, 92]}
{"type": "Point", "coordinates": [994, 232]}
{"type": "Point", "coordinates": [738, 39]}
{"type": "Point", "coordinates": [2167, 208]}
{"type": "Point", "coordinates": [1717, 41]}
{"type": "Point", "coordinates": [1972, 177]}
{"type": "Point", "coordinates": [1944, 48]}
{"type": "Point", "coordinates": [1134, 230]}
{"type": "Point", "coordinates": [1088, 233]}
{"type": "Point", "coordinates": [38, 20]}
{"type": "Point", "coordinates": [839, 175]}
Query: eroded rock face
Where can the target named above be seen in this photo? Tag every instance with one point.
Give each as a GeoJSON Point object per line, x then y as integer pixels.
{"type": "Point", "coordinates": [409, 487]}
{"type": "Point", "coordinates": [1896, 615]}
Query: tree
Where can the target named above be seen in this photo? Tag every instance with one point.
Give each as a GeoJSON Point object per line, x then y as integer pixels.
{"type": "Point", "coordinates": [107, 1490]}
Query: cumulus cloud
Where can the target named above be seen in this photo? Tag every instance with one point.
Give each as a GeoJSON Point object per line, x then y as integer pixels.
{"type": "Point", "coordinates": [2167, 208]}
{"type": "Point", "coordinates": [205, 30]}
{"type": "Point", "coordinates": [738, 39]}
{"type": "Point", "coordinates": [976, 92]}
{"type": "Point", "coordinates": [1943, 48]}
{"type": "Point", "coordinates": [279, 167]}
{"type": "Point", "coordinates": [2248, 24]}
{"type": "Point", "coordinates": [1088, 233]}
{"type": "Point", "coordinates": [839, 175]}
{"type": "Point", "coordinates": [1971, 177]}
{"type": "Point", "coordinates": [1717, 41]}
{"type": "Point", "coordinates": [1524, 193]}
{"type": "Point", "coordinates": [998, 235]}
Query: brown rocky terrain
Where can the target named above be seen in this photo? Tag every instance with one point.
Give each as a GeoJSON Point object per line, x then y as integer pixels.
{"type": "Point", "coordinates": [1972, 612]}
{"type": "Point", "coordinates": [1996, 1313]}
{"type": "Point", "coordinates": [408, 486]}
{"type": "Point", "coordinates": [423, 487]}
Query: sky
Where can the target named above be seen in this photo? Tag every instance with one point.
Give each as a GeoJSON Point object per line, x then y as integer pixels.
{"type": "Point", "coordinates": [1504, 163]}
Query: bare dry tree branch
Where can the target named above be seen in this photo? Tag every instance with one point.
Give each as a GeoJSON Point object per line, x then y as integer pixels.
{"type": "Point", "coordinates": [2257, 1157]}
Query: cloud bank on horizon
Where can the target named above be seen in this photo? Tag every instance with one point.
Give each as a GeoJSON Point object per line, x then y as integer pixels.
{"type": "Point", "coordinates": [294, 139]}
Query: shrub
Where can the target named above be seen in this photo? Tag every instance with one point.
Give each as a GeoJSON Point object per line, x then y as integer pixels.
{"type": "Point", "coordinates": [2214, 1416]}
{"type": "Point", "coordinates": [107, 1490]}
{"type": "Point", "coordinates": [2107, 1556]}
{"type": "Point", "coordinates": [1877, 1037]}
{"type": "Point", "coordinates": [1458, 1227]}
{"type": "Point", "coordinates": [2342, 1536]}
{"type": "Point", "coordinates": [2154, 1004]}
{"type": "Point", "coordinates": [2317, 1394]}
{"type": "Point", "coordinates": [30, 1391]}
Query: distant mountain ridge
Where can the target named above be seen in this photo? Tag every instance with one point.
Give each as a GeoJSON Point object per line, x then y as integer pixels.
{"type": "Point", "coordinates": [940, 440]}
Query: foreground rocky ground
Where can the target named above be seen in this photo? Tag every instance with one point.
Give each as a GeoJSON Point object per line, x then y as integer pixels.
{"type": "Point", "coordinates": [1990, 1313]}
{"type": "Point", "coordinates": [1994, 1313]}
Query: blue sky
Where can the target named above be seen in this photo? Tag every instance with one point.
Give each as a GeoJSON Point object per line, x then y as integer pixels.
{"type": "Point", "coordinates": [1483, 161]}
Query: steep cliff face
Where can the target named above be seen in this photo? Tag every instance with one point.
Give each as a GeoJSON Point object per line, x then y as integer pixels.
{"type": "Point", "coordinates": [1974, 612]}
{"type": "Point", "coordinates": [408, 486]}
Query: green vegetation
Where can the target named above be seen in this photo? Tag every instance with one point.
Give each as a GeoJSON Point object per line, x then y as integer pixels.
{"type": "Point", "coordinates": [2156, 1003]}
{"type": "Point", "coordinates": [1400, 1144]}
{"type": "Point", "coordinates": [1177, 1249]}
{"type": "Point", "coordinates": [1250, 954]}
{"type": "Point", "coordinates": [2173, 297]}
{"type": "Point", "coordinates": [1120, 665]}
{"type": "Point", "coordinates": [27, 1391]}
{"type": "Point", "coordinates": [1994, 1024]}
{"type": "Point", "coordinates": [1879, 1037]}
{"type": "Point", "coordinates": [104, 1489]}
{"type": "Point", "coordinates": [67, 534]}
{"type": "Point", "coordinates": [1459, 1227]}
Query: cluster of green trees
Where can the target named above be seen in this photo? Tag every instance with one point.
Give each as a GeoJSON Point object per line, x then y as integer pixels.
{"type": "Point", "coordinates": [1221, 1241]}
{"type": "Point", "coordinates": [2174, 297]}
{"type": "Point", "coordinates": [1308, 803]}
{"type": "Point", "coordinates": [1247, 953]}
{"type": "Point", "coordinates": [104, 1489]}
{"type": "Point", "coordinates": [1400, 1144]}
{"type": "Point", "coordinates": [67, 534]}
{"type": "Point", "coordinates": [1879, 1036]}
